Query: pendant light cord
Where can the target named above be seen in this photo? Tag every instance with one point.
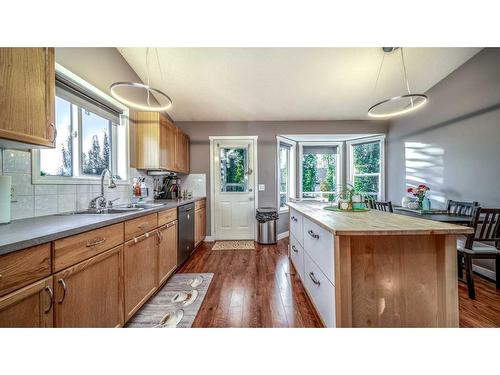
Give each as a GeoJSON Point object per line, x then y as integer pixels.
{"type": "Point", "coordinates": [406, 76]}
{"type": "Point", "coordinates": [378, 76]}
{"type": "Point", "coordinates": [147, 76]}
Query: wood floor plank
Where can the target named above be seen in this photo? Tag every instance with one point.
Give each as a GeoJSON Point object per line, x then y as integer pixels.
{"type": "Point", "coordinates": [258, 288]}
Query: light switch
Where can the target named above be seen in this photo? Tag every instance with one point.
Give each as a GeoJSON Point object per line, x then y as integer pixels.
{"type": "Point", "coordinates": [262, 187]}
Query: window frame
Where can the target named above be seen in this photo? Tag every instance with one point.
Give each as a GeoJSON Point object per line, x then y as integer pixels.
{"type": "Point", "coordinates": [292, 157]}
{"type": "Point", "coordinates": [122, 168]}
{"type": "Point", "coordinates": [350, 158]}
{"type": "Point", "coordinates": [340, 162]}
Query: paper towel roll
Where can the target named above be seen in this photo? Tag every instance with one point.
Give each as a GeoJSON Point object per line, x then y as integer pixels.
{"type": "Point", "coordinates": [5, 185]}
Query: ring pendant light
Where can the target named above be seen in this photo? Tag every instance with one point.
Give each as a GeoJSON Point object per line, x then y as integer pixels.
{"type": "Point", "coordinates": [141, 86]}
{"type": "Point", "coordinates": [411, 102]}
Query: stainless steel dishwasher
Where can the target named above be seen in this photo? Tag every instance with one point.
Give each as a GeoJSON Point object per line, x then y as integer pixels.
{"type": "Point", "coordinates": [186, 232]}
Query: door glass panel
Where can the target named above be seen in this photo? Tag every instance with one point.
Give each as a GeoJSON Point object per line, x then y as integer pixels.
{"type": "Point", "coordinates": [233, 169]}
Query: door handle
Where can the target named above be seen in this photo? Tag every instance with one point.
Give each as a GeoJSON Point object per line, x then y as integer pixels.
{"type": "Point", "coordinates": [49, 291]}
{"type": "Point", "coordinates": [61, 281]}
{"type": "Point", "coordinates": [294, 249]}
{"type": "Point", "coordinates": [313, 278]}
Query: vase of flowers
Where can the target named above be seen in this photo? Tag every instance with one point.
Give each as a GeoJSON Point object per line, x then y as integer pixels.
{"type": "Point", "coordinates": [419, 193]}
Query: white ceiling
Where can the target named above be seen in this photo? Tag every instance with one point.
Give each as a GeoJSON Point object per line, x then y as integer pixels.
{"type": "Point", "coordinates": [259, 84]}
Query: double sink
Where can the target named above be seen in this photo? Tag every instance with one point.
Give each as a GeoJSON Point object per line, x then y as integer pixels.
{"type": "Point", "coordinates": [116, 210]}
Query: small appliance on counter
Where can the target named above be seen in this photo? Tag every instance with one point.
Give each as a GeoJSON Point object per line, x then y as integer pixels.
{"type": "Point", "coordinates": [167, 187]}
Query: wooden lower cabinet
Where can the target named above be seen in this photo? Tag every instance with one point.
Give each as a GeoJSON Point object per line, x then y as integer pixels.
{"type": "Point", "coordinates": [199, 226]}
{"type": "Point", "coordinates": [167, 251]}
{"type": "Point", "coordinates": [140, 258]}
{"type": "Point", "coordinates": [90, 293]}
{"type": "Point", "coordinates": [29, 307]}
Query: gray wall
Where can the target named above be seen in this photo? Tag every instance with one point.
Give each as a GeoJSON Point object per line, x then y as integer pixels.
{"type": "Point", "coordinates": [453, 143]}
{"type": "Point", "coordinates": [267, 132]}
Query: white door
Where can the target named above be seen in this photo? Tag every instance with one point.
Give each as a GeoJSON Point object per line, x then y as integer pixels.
{"type": "Point", "coordinates": [234, 190]}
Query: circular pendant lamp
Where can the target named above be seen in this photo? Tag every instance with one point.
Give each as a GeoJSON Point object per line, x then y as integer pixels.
{"type": "Point", "coordinates": [141, 88]}
{"type": "Point", "coordinates": [400, 104]}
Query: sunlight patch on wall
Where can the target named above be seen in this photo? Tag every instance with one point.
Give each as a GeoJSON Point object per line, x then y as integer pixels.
{"type": "Point", "coordinates": [424, 164]}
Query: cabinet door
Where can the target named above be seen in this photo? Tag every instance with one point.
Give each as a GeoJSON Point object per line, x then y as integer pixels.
{"type": "Point", "coordinates": [145, 138]}
{"type": "Point", "coordinates": [167, 251]}
{"type": "Point", "coordinates": [199, 226]}
{"type": "Point", "coordinates": [182, 152]}
{"type": "Point", "coordinates": [27, 89]}
{"type": "Point", "coordinates": [90, 293]}
{"type": "Point", "coordinates": [167, 144]}
{"type": "Point", "coordinates": [141, 271]}
{"type": "Point", "coordinates": [29, 307]}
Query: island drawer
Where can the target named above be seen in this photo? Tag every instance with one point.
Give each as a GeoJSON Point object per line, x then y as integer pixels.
{"type": "Point", "coordinates": [167, 216]}
{"type": "Point", "coordinates": [318, 243]}
{"type": "Point", "coordinates": [72, 250]}
{"type": "Point", "coordinates": [297, 256]}
{"type": "Point", "coordinates": [23, 267]}
{"type": "Point", "coordinates": [141, 225]}
{"type": "Point", "coordinates": [320, 290]}
{"type": "Point", "coordinates": [296, 226]}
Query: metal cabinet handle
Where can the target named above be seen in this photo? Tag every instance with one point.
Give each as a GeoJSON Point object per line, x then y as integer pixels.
{"type": "Point", "coordinates": [313, 278]}
{"type": "Point", "coordinates": [61, 281]}
{"type": "Point", "coordinates": [312, 234]}
{"type": "Point", "coordinates": [96, 241]}
{"type": "Point", "coordinates": [294, 218]}
{"type": "Point", "coordinates": [54, 136]}
{"type": "Point", "coordinates": [49, 291]}
{"type": "Point", "coordinates": [294, 249]}
{"type": "Point", "coordinates": [160, 236]}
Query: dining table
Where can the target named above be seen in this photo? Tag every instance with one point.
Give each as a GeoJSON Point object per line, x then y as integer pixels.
{"type": "Point", "coordinates": [436, 215]}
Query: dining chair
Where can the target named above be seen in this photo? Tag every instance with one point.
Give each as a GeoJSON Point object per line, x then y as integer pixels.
{"type": "Point", "coordinates": [461, 208]}
{"type": "Point", "coordinates": [383, 206]}
{"type": "Point", "coordinates": [370, 202]}
{"type": "Point", "coordinates": [486, 224]}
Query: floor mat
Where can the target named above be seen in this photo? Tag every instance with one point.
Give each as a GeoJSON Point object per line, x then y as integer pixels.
{"type": "Point", "coordinates": [176, 304]}
{"type": "Point", "coordinates": [234, 245]}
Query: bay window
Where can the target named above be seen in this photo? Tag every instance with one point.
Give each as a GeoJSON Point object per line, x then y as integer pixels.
{"type": "Point", "coordinates": [366, 166]}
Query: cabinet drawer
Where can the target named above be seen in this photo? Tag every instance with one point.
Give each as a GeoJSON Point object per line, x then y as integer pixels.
{"type": "Point", "coordinates": [23, 267]}
{"type": "Point", "coordinates": [167, 216]}
{"type": "Point", "coordinates": [72, 250]}
{"type": "Point", "coordinates": [199, 204]}
{"type": "Point", "coordinates": [297, 256]}
{"type": "Point", "coordinates": [141, 225]}
{"type": "Point", "coordinates": [321, 291]}
{"type": "Point", "coordinates": [296, 226]}
{"type": "Point", "coordinates": [318, 243]}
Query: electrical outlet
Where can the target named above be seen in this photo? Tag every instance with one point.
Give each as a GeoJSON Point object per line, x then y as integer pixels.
{"type": "Point", "coordinates": [262, 187]}
{"type": "Point", "coordinates": [13, 196]}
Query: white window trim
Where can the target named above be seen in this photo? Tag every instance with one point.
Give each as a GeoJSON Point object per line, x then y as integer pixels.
{"type": "Point", "coordinates": [349, 157]}
{"type": "Point", "coordinates": [291, 168]}
{"type": "Point", "coordinates": [124, 120]}
{"type": "Point", "coordinates": [340, 153]}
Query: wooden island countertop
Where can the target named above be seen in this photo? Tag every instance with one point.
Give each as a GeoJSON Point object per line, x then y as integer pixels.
{"type": "Point", "coordinates": [385, 269]}
{"type": "Point", "coordinates": [372, 222]}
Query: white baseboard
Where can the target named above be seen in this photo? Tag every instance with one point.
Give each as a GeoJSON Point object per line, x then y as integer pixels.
{"type": "Point", "coordinates": [283, 235]}
{"type": "Point", "coordinates": [209, 239]}
{"type": "Point", "coordinates": [484, 271]}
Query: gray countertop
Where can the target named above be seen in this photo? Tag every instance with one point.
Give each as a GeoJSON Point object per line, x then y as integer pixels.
{"type": "Point", "coordinates": [21, 234]}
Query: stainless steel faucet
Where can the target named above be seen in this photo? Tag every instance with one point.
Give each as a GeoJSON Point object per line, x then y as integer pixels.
{"type": "Point", "coordinates": [101, 199]}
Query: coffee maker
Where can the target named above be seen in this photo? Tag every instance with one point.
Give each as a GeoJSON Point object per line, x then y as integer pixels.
{"type": "Point", "coordinates": [167, 187]}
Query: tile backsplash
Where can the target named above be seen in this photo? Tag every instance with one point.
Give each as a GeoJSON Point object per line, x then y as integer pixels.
{"type": "Point", "coordinates": [40, 200]}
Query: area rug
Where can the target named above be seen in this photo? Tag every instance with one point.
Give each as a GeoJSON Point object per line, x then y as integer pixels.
{"type": "Point", "coordinates": [176, 304]}
{"type": "Point", "coordinates": [234, 245]}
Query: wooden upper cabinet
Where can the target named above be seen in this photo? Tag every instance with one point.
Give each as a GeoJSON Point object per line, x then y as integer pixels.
{"type": "Point", "coordinates": [90, 293]}
{"type": "Point", "coordinates": [29, 307]}
{"type": "Point", "coordinates": [181, 152]}
{"type": "Point", "coordinates": [158, 144]}
{"type": "Point", "coordinates": [27, 96]}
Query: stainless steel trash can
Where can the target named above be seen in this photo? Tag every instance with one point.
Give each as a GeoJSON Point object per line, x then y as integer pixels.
{"type": "Point", "coordinates": [266, 222]}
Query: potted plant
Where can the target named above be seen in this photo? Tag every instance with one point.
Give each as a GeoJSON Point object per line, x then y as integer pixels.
{"type": "Point", "coordinates": [420, 192]}
{"type": "Point", "coordinates": [349, 198]}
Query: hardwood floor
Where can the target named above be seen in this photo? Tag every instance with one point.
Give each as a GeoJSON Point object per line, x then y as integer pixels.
{"type": "Point", "coordinates": [253, 288]}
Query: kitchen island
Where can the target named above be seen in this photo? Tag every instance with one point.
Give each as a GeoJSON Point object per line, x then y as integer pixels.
{"type": "Point", "coordinates": [376, 269]}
